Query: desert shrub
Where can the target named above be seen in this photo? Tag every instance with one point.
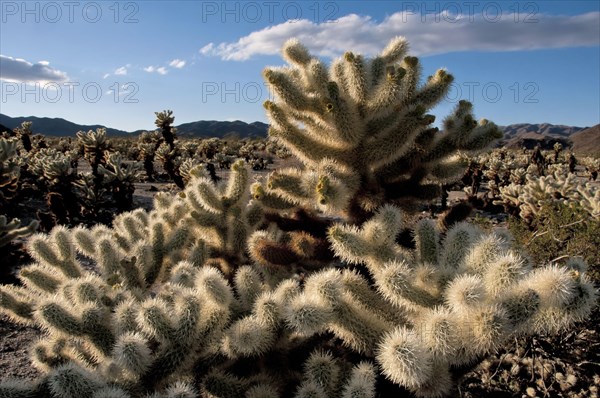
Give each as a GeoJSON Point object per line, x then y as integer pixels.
{"type": "Point", "coordinates": [560, 230]}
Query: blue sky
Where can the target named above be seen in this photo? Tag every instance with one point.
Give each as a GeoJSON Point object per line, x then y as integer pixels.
{"type": "Point", "coordinates": [116, 63]}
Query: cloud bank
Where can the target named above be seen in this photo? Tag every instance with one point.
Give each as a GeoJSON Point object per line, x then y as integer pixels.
{"type": "Point", "coordinates": [430, 34]}
{"type": "Point", "coordinates": [21, 71]}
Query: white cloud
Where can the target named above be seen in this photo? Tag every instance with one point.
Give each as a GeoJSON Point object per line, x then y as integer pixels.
{"type": "Point", "coordinates": [20, 70]}
{"type": "Point", "coordinates": [431, 34]}
{"type": "Point", "coordinates": [177, 63]}
{"type": "Point", "coordinates": [122, 91]}
{"type": "Point", "coordinates": [161, 70]}
{"type": "Point", "coordinates": [121, 71]}
{"type": "Point", "coordinates": [207, 49]}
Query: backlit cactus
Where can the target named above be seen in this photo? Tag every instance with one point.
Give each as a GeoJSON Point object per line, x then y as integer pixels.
{"type": "Point", "coordinates": [362, 132]}
{"type": "Point", "coordinates": [152, 287]}
{"type": "Point", "coordinates": [167, 151]}
{"type": "Point", "coordinates": [154, 309]}
{"type": "Point", "coordinates": [9, 171]}
{"type": "Point", "coordinates": [95, 144]}
{"type": "Point", "coordinates": [209, 295]}
{"type": "Point", "coordinates": [23, 132]}
{"type": "Point", "coordinates": [13, 229]}
{"type": "Point", "coordinates": [459, 300]}
{"type": "Point", "coordinates": [120, 178]}
{"type": "Point", "coordinates": [147, 145]}
{"type": "Point", "coordinates": [559, 186]}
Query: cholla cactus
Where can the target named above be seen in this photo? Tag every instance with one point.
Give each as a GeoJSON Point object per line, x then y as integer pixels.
{"type": "Point", "coordinates": [223, 160]}
{"type": "Point", "coordinates": [588, 196]}
{"type": "Point", "coordinates": [167, 151]}
{"type": "Point", "coordinates": [50, 165]}
{"type": "Point", "coordinates": [100, 330]}
{"type": "Point", "coordinates": [560, 186]}
{"type": "Point", "coordinates": [362, 131]}
{"type": "Point", "coordinates": [277, 149]}
{"type": "Point", "coordinates": [557, 149]}
{"type": "Point", "coordinates": [167, 156]}
{"type": "Point", "coordinates": [163, 121]}
{"type": "Point", "coordinates": [494, 169]}
{"type": "Point", "coordinates": [24, 134]}
{"type": "Point", "coordinates": [439, 306]}
{"type": "Point", "coordinates": [224, 216]}
{"type": "Point", "coordinates": [120, 178]}
{"type": "Point", "coordinates": [208, 148]}
{"type": "Point", "coordinates": [518, 176]}
{"type": "Point", "coordinates": [9, 171]}
{"type": "Point", "coordinates": [189, 168]}
{"type": "Point", "coordinates": [147, 145]}
{"type": "Point", "coordinates": [154, 313]}
{"type": "Point", "coordinates": [13, 229]}
{"type": "Point", "coordinates": [95, 144]}
{"type": "Point", "coordinates": [58, 179]}
{"type": "Point", "coordinates": [323, 376]}
{"type": "Point", "coordinates": [592, 165]}
{"type": "Point", "coordinates": [148, 289]}
{"type": "Point", "coordinates": [185, 300]}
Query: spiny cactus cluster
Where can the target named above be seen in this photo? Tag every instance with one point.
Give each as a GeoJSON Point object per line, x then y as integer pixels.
{"type": "Point", "coordinates": [592, 166]}
{"type": "Point", "coordinates": [24, 133]}
{"type": "Point", "coordinates": [305, 290]}
{"type": "Point", "coordinates": [13, 229]}
{"type": "Point", "coordinates": [147, 145]}
{"type": "Point", "coordinates": [95, 145]}
{"type": "Point", "coordinates": [559, 186]}
{"type": "Point", "coordinates": [120, 178]}
{"type": "Point", "coordinates": [179, 157]}
{"type": "Point", "coordinates": [167, 150]}
{"type": "Point", "coordinates": [33, 169]}
{"type": "Point", "coordinates": [9, 172]}
{"type": "Point", "coordinates": [74, 196]}
{"type": "Point", "coordinates": [504, 174]}
{"type": "Point", "coordinates": [142, 262]}
{"type": "Point", "coordinates": [154, 312]}
{"type": "Point", "coordinates": [361, 129]}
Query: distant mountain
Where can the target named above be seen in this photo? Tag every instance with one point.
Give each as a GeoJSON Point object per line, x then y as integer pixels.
{"type": "Point", "coordinates": [587, 141]}
{"type": "Point", "coordinates": [546, 129]}
{"type": "Point", "coordinates": [582, 139]}
{"type": "Point", "coordinates": [213, 128]}
{"type": "Point", "coordinates": [200, 129]}
{"type": "Point", "coordinates": [54, 126]}
{"type": "Point", "coordinates": [529, 135]}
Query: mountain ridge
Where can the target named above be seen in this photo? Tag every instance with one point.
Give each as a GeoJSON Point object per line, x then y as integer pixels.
{"type": "Point", "coordinates": [59, 127]}
{"type": "Point", "coordinates": [517, 135]}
